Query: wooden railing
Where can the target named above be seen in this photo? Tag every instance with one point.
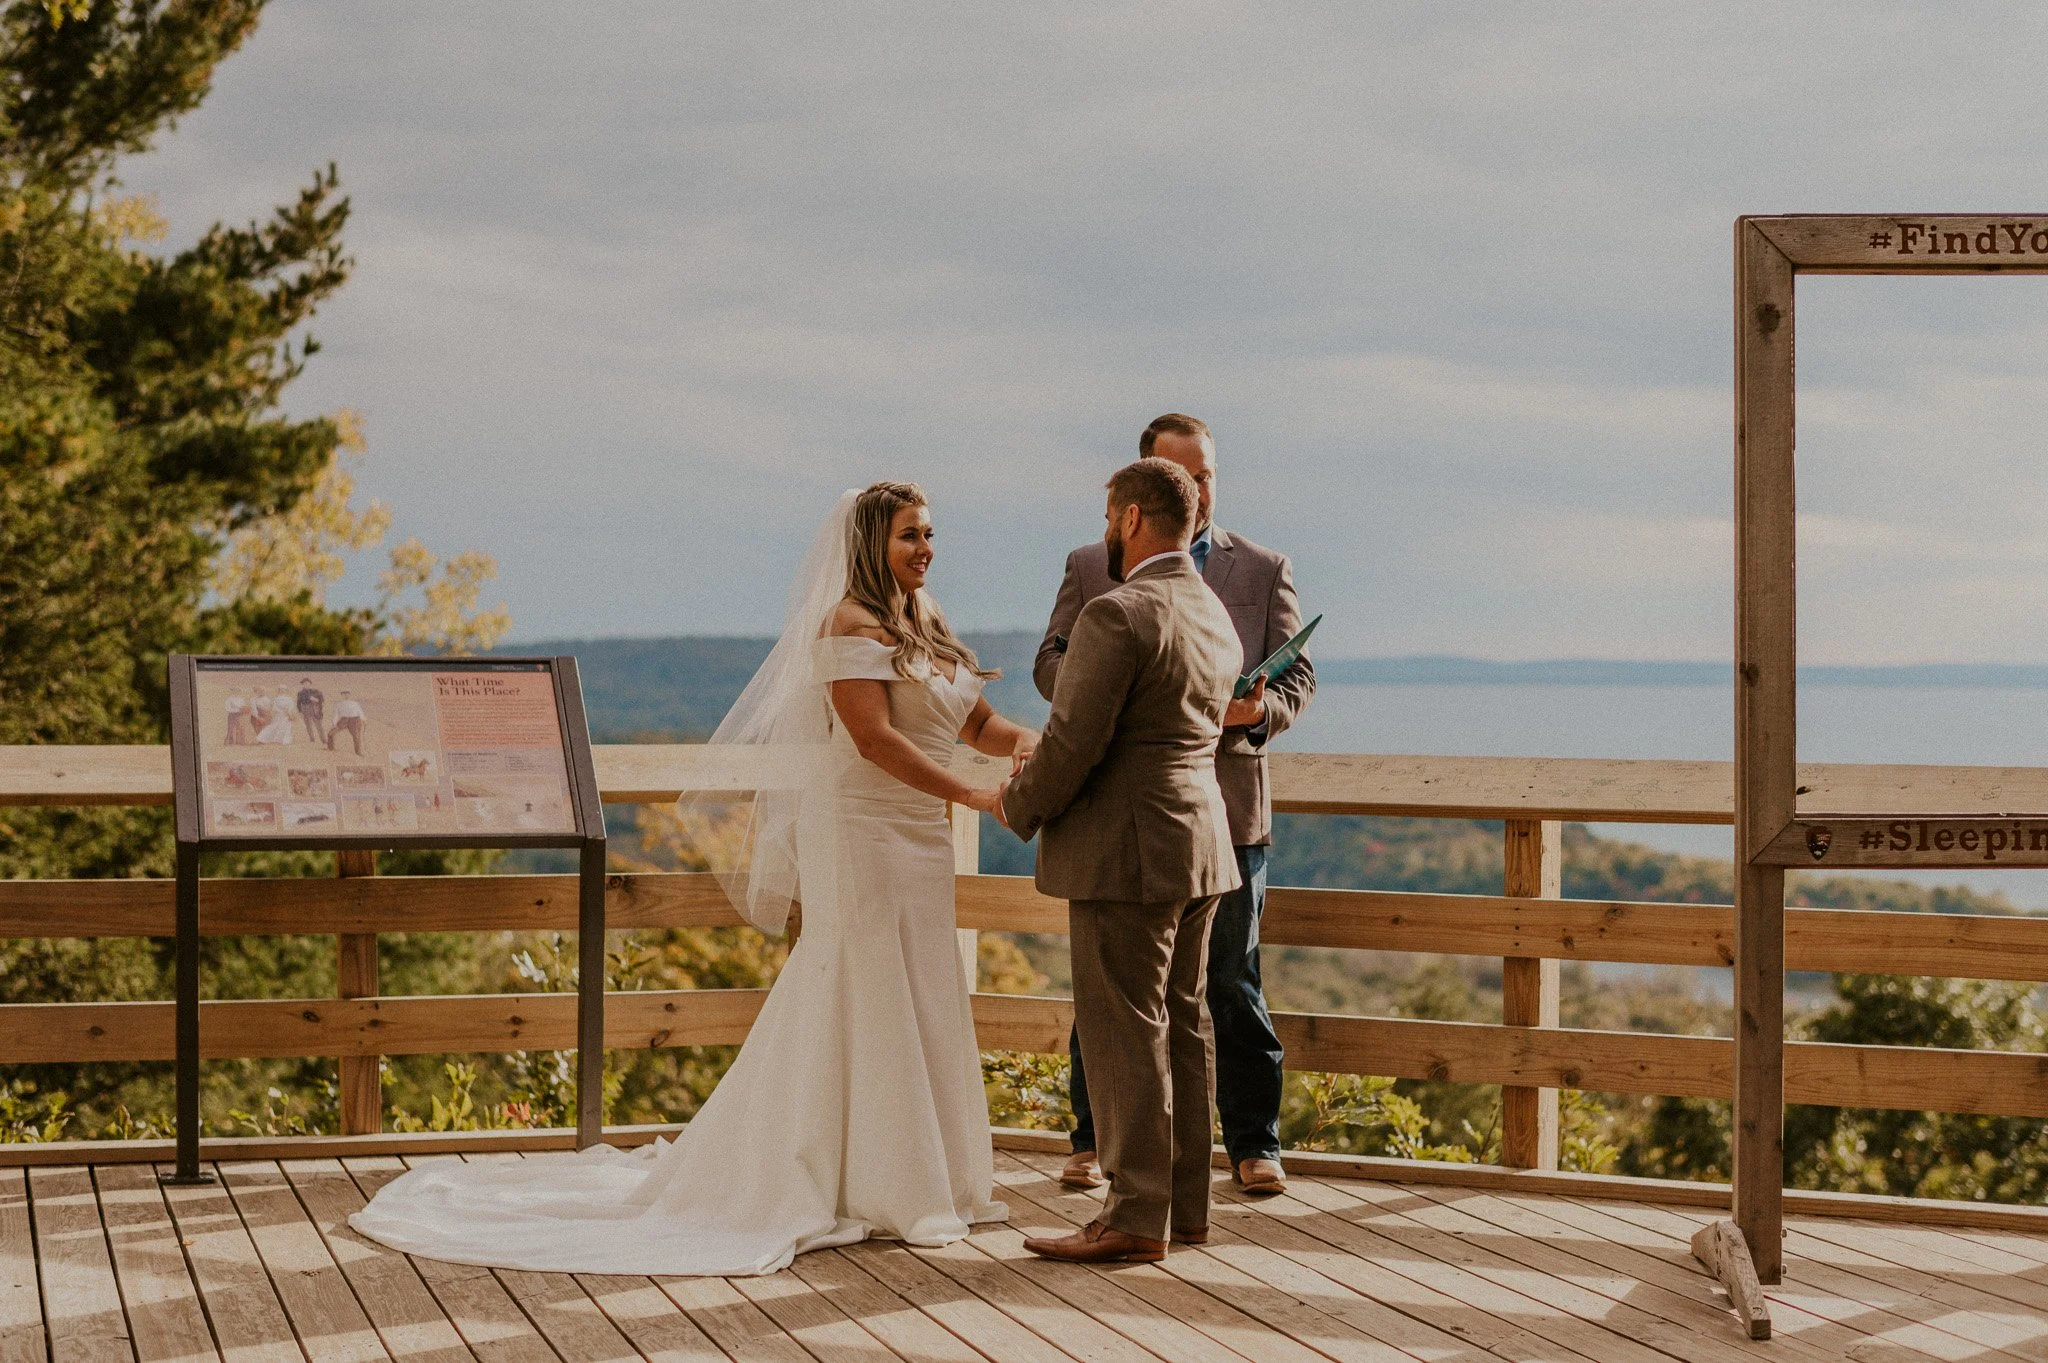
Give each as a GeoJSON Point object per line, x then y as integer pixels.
{"type": "Point", "coordinates": [1527, 926]}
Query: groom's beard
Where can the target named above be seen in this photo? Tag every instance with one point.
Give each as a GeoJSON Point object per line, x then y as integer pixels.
{"type": "Point", "coordinates": [1115, 542]}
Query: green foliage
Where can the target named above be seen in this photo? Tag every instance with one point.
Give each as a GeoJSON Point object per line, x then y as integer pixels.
{"type": "Point", "coordinates": [459, 1110]}
{"type": "Point", "coordinates": [30, 1117]}
{"type": "Point", "coordinates": [1364, 1115]}
{"type": "Point", "coordinates": [1583, 1144]}
{"type": "Point", "coordinates": [1027, 1090]}
{"type": "Point", "coordinates": [1923, 1154]}
{"type": "Point", "coordinates": [309, 1112]}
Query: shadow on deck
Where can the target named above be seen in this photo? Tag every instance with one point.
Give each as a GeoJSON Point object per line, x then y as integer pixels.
{"type": "Point", "coordinates": [98, 1263]}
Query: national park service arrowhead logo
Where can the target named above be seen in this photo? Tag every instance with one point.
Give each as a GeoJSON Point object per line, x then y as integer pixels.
{"type": "Point", "coordinates": [1818, 840]}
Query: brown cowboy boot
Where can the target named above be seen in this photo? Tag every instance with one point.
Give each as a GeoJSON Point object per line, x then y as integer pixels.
{"type": "Point", "coordinates": [1081, 1171]}
{"type": "Point", "coordinates": [1096, 1243]}
{"type": "Point", "coordinates": [1260, 1177]}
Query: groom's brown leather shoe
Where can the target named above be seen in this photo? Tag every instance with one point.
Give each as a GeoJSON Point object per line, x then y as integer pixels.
{"type": "Point", "coordinates": [1096, 1243]}
{"type": "Point", "coordinates": [1080, 1171]}
{"type": "Point", "coordinates": [1261, 1177]}
{"type": "Point", "coordinates": [1199, 1235]}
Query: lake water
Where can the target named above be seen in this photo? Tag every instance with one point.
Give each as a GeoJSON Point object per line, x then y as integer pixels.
{"type": "Point", "coordinates": [1961, 725]}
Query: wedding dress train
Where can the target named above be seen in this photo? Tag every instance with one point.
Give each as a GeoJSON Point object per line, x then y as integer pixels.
{"type": "Point", "coordinates": [855, 1108]}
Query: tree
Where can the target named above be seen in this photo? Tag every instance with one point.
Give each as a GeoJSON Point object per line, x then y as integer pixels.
{"type": "Point", "coordinates": [146, 463]}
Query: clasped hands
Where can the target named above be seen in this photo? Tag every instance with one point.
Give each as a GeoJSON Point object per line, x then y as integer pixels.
{"type": "Point", "coordinates": [1243, 712]}
{"type": "Point", "coordinates": [989, 800]}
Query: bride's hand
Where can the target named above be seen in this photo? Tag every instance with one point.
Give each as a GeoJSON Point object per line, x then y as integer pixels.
{"type": "Point", "coordinates": [981, 799]}
{"type": "Point", "coordinates": [1027, 744]}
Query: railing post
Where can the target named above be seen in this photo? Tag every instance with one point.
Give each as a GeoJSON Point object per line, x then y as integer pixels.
{"type": "Point", "coordinates": [362, 1085]}
{"type": "Point", "coordinates": [1529, 987]}
{"type": "Point", "coordinates": [967, 862]}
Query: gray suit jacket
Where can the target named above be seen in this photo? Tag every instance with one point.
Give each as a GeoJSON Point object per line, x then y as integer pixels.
{"type": "Point", "coordinates": [1256, 585]}
{"type": "Point", "coordinates": [1122, 789]}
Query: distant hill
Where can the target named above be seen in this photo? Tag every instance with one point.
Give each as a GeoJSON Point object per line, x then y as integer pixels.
{"type": "Point", "coordinates": [681, 687]}
{"type": "Point", "coordinates": [1449, 670]}
{"type": "Point", "coordinates": [653, 689]}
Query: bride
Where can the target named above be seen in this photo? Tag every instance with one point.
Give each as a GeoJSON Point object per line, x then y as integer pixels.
{"type": "Point", "coordinates": [856, 1107]}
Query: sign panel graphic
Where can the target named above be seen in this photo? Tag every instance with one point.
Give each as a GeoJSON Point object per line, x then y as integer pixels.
{"type": "Point", "coordinates": [458, 747]}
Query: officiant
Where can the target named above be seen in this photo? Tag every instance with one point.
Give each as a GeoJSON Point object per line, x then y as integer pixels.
{"type": "Point", "coordinates": [1256, 585]}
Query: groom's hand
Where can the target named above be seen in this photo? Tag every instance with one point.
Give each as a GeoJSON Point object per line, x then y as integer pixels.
{"type": "Point", "coordinates": [1001, 791]}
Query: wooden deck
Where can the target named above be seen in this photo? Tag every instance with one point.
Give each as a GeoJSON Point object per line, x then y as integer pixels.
{"type": "Point", "coordinates": [99, 1263]}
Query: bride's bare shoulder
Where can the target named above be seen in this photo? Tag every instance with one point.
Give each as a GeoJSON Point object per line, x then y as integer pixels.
{"type": "Point", "coordinates": [851, 619]}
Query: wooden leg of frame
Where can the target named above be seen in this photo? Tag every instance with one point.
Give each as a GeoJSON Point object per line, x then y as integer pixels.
{"type": "Point", "coordinates": [1721, 1248]}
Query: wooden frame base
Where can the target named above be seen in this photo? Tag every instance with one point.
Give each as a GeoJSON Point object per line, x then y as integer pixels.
{"type": "Point", "coordinates": [1721, 1248]}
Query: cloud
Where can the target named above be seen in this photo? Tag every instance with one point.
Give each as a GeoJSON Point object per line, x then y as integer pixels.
{"type": "Point", "coordinates": [642, 286]}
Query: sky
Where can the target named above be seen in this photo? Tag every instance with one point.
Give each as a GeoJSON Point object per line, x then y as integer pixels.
{"type": "Point", "coordinates": [640, 288]}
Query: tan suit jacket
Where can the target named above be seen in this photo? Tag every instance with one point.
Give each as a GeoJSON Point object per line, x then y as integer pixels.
{"type": "Point", "coordinates": [1256, 585]}
{"type": "Point", "coordinates": [1122, 789]}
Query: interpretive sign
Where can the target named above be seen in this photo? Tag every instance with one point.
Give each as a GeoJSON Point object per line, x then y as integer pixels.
{"type": "Point", "coordinates": [385, 751]}
{"type": "Point", "coordinates": [357, 754]}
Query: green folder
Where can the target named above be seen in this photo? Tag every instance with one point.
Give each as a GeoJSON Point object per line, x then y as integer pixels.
{"type": "Point", "coordinates": [1282, 659]}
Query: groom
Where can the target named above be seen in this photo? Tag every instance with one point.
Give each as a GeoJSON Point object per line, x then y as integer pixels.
{"type": "Point", "coordinates": [1256, 586]}
{"type": "Point", "coordinates": [1137, 840]}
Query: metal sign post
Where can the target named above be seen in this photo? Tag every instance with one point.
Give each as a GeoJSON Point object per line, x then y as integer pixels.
{"type": "Point", "coordinates": [363, 754]}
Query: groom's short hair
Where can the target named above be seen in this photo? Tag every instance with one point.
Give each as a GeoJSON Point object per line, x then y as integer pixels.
{"type": "Point", "coordinates": [1173, 423]}
{"type": "Point", "coordinates": [1160, 489]}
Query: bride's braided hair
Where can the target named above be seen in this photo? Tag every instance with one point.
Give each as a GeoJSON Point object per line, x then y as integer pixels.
{"type": "Point", "coordinates": [917, 625]}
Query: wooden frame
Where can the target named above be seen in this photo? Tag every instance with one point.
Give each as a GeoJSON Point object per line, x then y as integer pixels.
{"type": "Point", "coordinates": [1770, 252]}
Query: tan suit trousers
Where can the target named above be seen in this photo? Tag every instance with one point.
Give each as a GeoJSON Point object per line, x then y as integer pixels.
{"type": "Point", "coordinates": [1146, 1042]}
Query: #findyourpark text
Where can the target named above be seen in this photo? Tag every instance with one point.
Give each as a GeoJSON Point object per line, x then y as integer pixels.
{"type": "Point", "coordinates": [1953, 239]}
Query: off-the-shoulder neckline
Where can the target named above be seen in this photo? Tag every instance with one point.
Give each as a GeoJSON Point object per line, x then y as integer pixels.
{"type": "Point", "coordinates": [934, 669]}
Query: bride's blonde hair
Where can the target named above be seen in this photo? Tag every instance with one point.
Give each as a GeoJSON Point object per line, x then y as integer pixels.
{"type": "Point", "coordinates": [916, 624]}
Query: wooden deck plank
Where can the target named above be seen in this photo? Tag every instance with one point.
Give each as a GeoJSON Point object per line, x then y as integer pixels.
{"type": "Point", "coordinates": [473, 1300]}
{"type": "Point", "coordinates": [249, 1321]}
{"type": "Point", "coordinates": [1223, 1322]}
{"type": "Point", "coordinates": [650, 1322]}
{"type": "Point", "coordinates": [806, 1317]}
{"type": "Point", "coordinates": [1205, 1269]}
{"type": "Point", "coordinates": [566, 1316]}
{"type": "Point", "coordinates": [1211, 1270]}
{"type": "Point", "coordinates": [1096, 1293]}
{"type": "Point", "coordinates": [1279, 1230]}
{"type": "Point", "coordinates": [1672, 1263]}
{"type": "Point", "coordinates": [1945, 1340]}
{"type": "Point", "coordinates": [324, 1312]}
{"type": "Point", "coordinates": [21, 1293]}
{"type": "Point", "coordinates": [2033, 1247]}
{"type": "Point", "coordinates": [404, 1313]}
{"type": "Point", "coordinates": [973, 1293]}
{"type": "Point", "coordinates": [1519, 1230]}
{"type": "Point", "coordinates": [1440, 1262]}
{"type": "Point", "coordinates": [1234, 1244]}
{"type": "Point", "coordinates": [732, 1322]}
{"type": "Point", "coordinates": [164, 1314]}
{"type": "Point", "coordinates": [81, 1300]}
{"type": "Point", "coordinates": [1681, 1325]}
{"type": "Point", "coordinates": [861, 1298]}
{"type": "Point", "coordinates": [558, 1306]}
{"type": "Point", "coordinates": [1612, 1298]}
{"type": "Point", "coordinates": [1891, 1291]}
{"type": "Point", "coordinates": [263, 1267]}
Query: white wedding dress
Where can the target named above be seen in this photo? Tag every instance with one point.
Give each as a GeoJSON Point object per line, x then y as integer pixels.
{"type": "Point", "coordinates": [856, 1107]}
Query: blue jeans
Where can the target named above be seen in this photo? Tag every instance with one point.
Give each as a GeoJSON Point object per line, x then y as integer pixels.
{"type": "Point", "coordinates": [1248, 1053]}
